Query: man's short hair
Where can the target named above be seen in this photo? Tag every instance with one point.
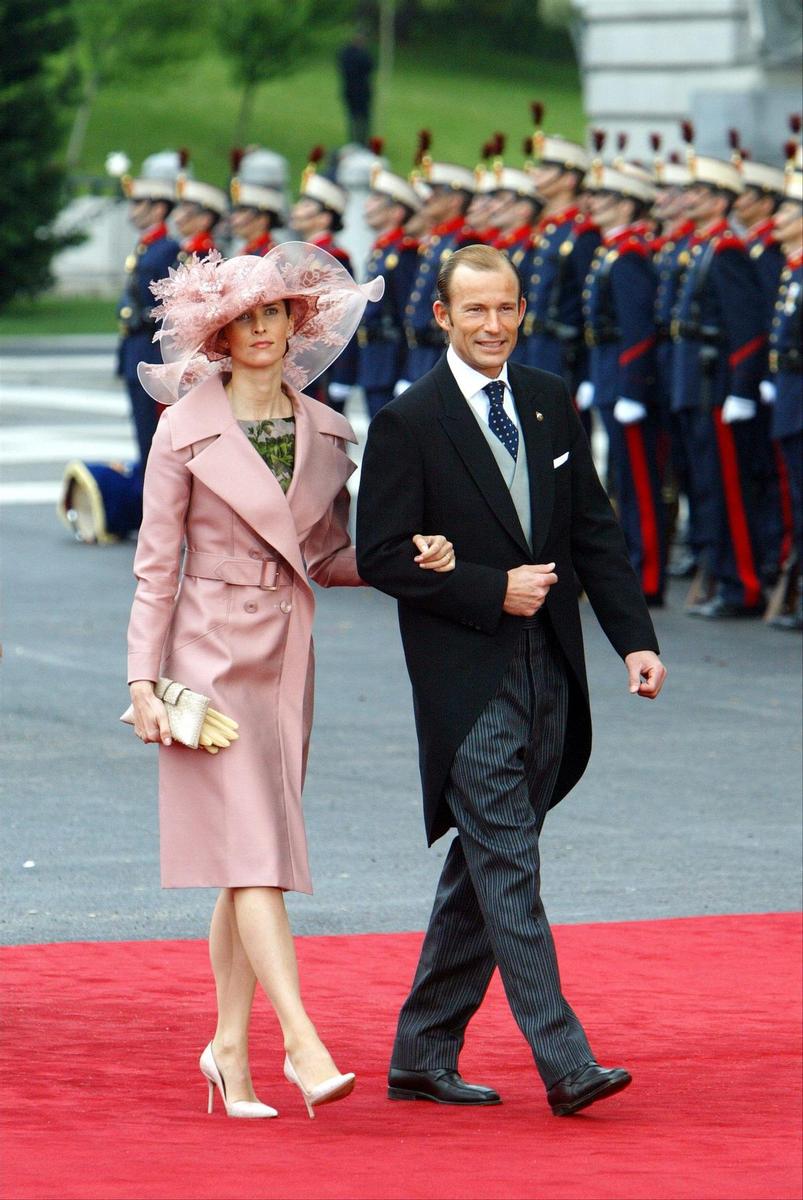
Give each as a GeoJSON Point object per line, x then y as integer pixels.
{"type": "Point", "coordinates": [479, 258]}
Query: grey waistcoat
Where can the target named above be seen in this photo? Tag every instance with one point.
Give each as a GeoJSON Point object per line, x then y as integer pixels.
{"type": "Point", "coordinates": [515, 475]}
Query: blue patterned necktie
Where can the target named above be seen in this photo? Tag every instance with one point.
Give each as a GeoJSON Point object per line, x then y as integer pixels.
{"type": "Point", "coordinates": [498, 421]}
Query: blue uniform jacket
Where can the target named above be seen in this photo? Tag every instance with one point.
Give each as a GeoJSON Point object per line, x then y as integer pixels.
{"type": "Point", "coordinates": [786, 359]}
{"type": "Point", "coordinates": [151, 259]}
{"type": "Point", "coordinates": [563, 249]}
{"type": "Point", "coordinates": [381, 336]}
{"type": "Point", "coordinates": [671, 256]}
{"type": "Point", "coordinates": [619, 303]}
{"type": "Point", "coordinates": [420, 327]}
{"type": "Point", "coordinates": [719, 328]}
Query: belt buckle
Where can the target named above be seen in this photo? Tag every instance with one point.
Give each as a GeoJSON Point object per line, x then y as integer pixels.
{"type": "Point", "coordinates": [269, 587]}
{"type": "Point", "coordinates": [774, 361]}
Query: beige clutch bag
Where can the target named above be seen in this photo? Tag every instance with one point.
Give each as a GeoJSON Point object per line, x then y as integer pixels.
{"type": "Point", "coordinates": [192, 722]}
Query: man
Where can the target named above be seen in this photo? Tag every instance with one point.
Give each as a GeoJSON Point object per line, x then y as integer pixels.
{"type": "Point", "coordinates": [150, 203]}
{"type": "Point", "coordinates": [494, 453]}
{"type": "Point", "coordinates": [316, 217]}
{"type": "Point", "coordinates": [200, 207]}
{"type": "Point", "coordinates": [719, 331]}
{"type": "Point", "coordinates": [257, 200]}
{"type": "Point", "coordinates": [619, 310]}
{"type": "Point", "coordinates": [356, 68]}
{"type": "Point", "coordinates": [785, 390]}
{"type": "Point", "coordinates": [563, 245]}
{"type": "Point", "coordinates": [518, 208]}
{"type": "Point", "coordinates": [101, 502]}
{"type": "Point", "coordinates": [671, 255]}
{"type": "Point", "coordinates": [388, 207]}
{"type": "Point", "coordinates": [451, 187]}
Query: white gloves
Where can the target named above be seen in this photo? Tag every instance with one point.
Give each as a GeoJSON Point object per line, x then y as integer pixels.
{"type": "Point", "coordinates": [585, 395]}
{"type": "Point", "coordinates": [737, 408]}
{"type": "Point", "coordinates": [627, 412]}
{"type": "Point", "coordinates": [401, 386]}
{"type": "Point", "coordinates": [767, 391]}
{"type": "Point", "coordinates": [339, 392]}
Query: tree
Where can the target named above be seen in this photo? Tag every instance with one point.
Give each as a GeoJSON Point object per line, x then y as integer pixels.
{"type": "Point", "coordinates": [35, 92]}
{"type": "Point", "coordinates": [123, 38]}
{"type": "Point", "coordinates": [265, 39]}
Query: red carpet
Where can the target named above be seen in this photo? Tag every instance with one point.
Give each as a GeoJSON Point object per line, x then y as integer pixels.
{"type": "Point", "coordinates": [103, 1098]}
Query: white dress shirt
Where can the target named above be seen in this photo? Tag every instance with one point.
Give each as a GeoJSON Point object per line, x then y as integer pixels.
{"type": "Point", "coordinates": [471, 384]}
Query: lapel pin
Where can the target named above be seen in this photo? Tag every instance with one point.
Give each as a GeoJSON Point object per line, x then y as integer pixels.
{"type": "Point", "coordinates": [539, 416]}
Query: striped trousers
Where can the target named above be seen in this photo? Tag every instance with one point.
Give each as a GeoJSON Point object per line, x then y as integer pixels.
{"type": "Point", "coordinates": [488, 910]}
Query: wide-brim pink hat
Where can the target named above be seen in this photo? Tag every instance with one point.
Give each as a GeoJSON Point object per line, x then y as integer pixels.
{"type": "Point", "coordinates": [201, 296]}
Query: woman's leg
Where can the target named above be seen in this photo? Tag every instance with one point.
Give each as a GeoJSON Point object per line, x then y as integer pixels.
{"type": "Point", "coordinates": [234, 983]}
{"type": "Point", "coordinates": [265, 934]}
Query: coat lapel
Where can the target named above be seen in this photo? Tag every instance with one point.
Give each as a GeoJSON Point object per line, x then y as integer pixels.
{"type": "Point", "coordinates": [538, 440]}
{"type": "Point", "coordinates": [321, 467]}
{"type": "Point", "coordinates": [461, 427]}
{"type": "Point", "coordinates": [230, 467]}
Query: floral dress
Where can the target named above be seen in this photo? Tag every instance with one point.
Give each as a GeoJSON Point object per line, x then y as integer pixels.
{"type": "Point", "coordinates": [275, 442]}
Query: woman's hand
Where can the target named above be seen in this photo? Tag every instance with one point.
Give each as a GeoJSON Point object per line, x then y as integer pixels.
{"type": "Point", "coordinates": [150, 714]}
{"type": "Point", "coordinates": [436, 553]}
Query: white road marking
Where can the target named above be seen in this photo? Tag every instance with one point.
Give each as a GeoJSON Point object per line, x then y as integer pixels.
{"type": "Point", "coordinates": [42, 492]}
{"type": "Point", "coordinates": [64, 398]}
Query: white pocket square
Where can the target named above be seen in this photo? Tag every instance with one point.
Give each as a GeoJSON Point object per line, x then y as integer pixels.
{"type": "Point", "coordinates": [560, 460]}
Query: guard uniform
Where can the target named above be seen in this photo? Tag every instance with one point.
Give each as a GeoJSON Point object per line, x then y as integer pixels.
{"type": "Point", "coordinates": [720, 343]}
{"type": "Point", "coordinates": [153, 256]}
{"type": "Point", "coordinates": [423, 336]}
{"type": "Point", "coordinates": [201, 197]}
{"type": "Point", "coordinates": [563, 246]}
{"type": "Point", "coordinates": [250, 191]}
{"type": "Point", "coordinates": [620, 333]}
{"type": "Point", "coordinates": [380, 337]}
{"type": "Point", "coordinates": [786, 373]}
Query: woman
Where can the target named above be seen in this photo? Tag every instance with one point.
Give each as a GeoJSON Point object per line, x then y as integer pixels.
{"type": "Point", "coordinates": [249, 475]}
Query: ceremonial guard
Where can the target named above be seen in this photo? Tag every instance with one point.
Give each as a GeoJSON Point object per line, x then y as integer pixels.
{"type": "Point", "coordinates": [389, 205]}
{"type": "Point", "coordinates": [451, 188]}
{"type": "Point", "coordinates": [256, 208]}
{"type": "Point", "coordinates": [519, 206]}
{"type": "Point", "coordinates": [755, 211]}
{"type": "Point", "coordinates": [199, 209]}
{"type": "Point", "coordinates": [563, 245]}
{"type": "Point", "coordinates": [785, 392]}
{"type": "Point", "coordinates": [720, 351]}
{"type": "Point", "coordinates": [316, 217]}
{"type": "Point", "coordinates": [102, 502]}
{"type": "Point", "coordinates": [619, 303]}
{"type": "Point", "coordinates": [670, 255]}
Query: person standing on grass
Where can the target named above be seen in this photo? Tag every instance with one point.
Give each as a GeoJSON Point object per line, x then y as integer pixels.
{"type": "Point", "coordinates": [493, 454]}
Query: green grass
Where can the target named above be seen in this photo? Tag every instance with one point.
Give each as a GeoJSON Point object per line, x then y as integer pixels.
{"type": "Point", "coordinates": [462, 99]}
{"type": "Point", "coordinates": [56, 315]}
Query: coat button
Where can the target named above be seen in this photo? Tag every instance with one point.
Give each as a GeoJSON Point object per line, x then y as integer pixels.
{"type": "Point", "coordinates": [254, 554]}
{"type": "Point", "coordinates": [286, 606]}
{"type": "Point", "coordinates": [250, 606]}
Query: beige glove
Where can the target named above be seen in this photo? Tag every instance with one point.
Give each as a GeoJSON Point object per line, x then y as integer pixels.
{"type": "Point", "coordinates": [217, 732]}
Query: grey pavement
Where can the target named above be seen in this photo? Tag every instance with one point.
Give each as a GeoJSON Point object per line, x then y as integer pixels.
{"type": "Point", "coordinates": [691, 804]}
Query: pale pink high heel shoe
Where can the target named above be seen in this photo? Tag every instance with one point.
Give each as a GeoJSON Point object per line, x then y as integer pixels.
{"type": "Point", "coordinates": [335, 1088]}
{"type": "Point", "coordinates": [250, 1109]}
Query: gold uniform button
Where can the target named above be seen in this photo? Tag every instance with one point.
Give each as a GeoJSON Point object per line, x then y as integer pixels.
{"type": "Point", "coordinates": [392, 261]}
{"type": "Point", "coordinates": [126, 312]}
{"type": "Point", "coordinates": [550, 228]}
{"type": "Point", "coordinates": [415, 296]}
{"type": "Point", "coordinates": [424, 268]}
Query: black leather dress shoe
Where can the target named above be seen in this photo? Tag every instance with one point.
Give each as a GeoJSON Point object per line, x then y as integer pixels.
{"type": "Point", "coordinates": [443, 1086]}
{"type": "Point", "coordinates": [584, 1086]}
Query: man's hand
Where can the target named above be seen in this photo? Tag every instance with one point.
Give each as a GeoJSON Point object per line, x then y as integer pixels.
{"type": "Point", "coordinates": [528, 588]}
{"type": "Point", "coordinates": [646, 673]}
{"type": "Point", "coordinates": [436, 553]}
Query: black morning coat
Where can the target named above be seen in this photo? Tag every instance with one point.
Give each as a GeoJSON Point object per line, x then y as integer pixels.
{"type": "Point", "coordinates": [427, 468]}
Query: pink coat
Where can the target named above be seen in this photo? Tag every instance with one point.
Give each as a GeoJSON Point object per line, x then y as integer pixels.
{"type": "Point", "coordinates": [237, 626]}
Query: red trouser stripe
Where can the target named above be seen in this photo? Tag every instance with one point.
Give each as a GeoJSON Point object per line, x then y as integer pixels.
{"type": "Point", "coordinates": [737, 518]}
{"type": "Point", "coordinates": [787, 517]}
{"type": "Point", "coordinates": [648, 520]}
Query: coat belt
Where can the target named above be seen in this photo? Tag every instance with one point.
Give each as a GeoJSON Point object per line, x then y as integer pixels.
{"type": "Point", "coordinates": [247, 572]}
